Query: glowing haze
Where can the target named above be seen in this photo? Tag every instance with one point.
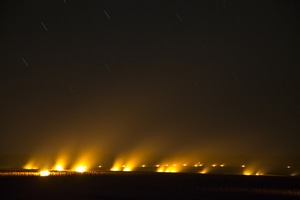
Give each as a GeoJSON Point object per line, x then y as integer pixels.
{"type": "Point", "coordinates": [213, 82]}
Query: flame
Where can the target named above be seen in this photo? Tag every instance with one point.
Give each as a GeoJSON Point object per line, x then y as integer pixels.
{"type": "Point", "coordinates": [59, 168]}
{"type": "Point", "coordinates": [80, 169]}
{"type": "Point", "coordinates": [44, 173]}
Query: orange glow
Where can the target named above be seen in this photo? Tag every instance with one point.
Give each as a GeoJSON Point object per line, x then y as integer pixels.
{"type": "Point", "coordinates": [80, 169]}
{"type": "Point", "coordinates": [204, 171]}
{"type": "Point", "coordinates": [126, 169]}
{"type": "Point", "coordinates": [115, 169]}
{"type": "Point", "coordinates": [59, 168]}
{"type": "Point", "coordinates": [44, 173]}
{"type": "Point", "coordinates": [247, 172]}
{"type": "Point", "coordinates": [30, 165]}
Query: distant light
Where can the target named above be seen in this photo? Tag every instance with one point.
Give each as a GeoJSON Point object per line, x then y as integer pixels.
{"type": "Point", "coordinates": [157, 165]}
{"type": "Point", "coordinates": [222, 165]}
{"type": "Point", "coordinates": [184, 165]}
{"type": "Point", "coordinates": [288, 166]}
{"type": "Point", "coordinates": [214, 165]}
{"type": "Point", "coordinates": [126, 169]}
{"type": "Point", "coordinates": [243, 166]}
{"type": "Point", "coordinates": [115, 169]}
{"type": "Point", "coordinates": [174, 165]}
{"type": "Point", "coordinates": [160, 170]}
{"type": "Point", "coordinates": [59, 168]}
{"type": "Point", "coordinates": [80, 169]}
{"type": "Point", "coordinates": [167, 165]}
{"type": "Point", "coordinates": [44, 173]}
{"type": "Point", "coordinates": [99, 166]}
{"type": "Point", "coordinates": [143, 165]}
{"type": "Point", "coordinates": [195, 165]}
{"type": "Point", "coordinates": [247, 173]}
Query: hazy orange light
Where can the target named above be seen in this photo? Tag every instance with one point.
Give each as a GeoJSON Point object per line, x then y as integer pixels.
{"type": "Point", "coordinates": [126, 169]}
{"type": "Point", "coordinates": [258, 174]}
{"type": "Point", "coordinates": [44, 173]}
{"type": "Point", "coordinates": [222, 165]}
{"type": "Point", "coordinates": [247, 173]}
{"type": "Point", "coordinates": [80, 169]}
{"type": "Point", "coordinates": [30, 165]}
{"type": "Point", "coordinates": [59, 168]}
{"type": "Point", "coordinates": [115, 169]}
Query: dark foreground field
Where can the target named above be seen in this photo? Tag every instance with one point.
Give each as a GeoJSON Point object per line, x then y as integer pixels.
{"type": "Point", "coordinates": [149, 186]}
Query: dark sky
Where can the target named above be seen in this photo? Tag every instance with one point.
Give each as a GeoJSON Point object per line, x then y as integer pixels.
{"type": "Point", "coordinates": [213, 76]}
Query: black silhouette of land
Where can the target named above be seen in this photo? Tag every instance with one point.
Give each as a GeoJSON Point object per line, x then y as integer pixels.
{"type": "Point", "coordinates": [148, 185]}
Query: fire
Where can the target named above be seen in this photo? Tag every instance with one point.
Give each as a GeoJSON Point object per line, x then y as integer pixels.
{"type": "Point", "coordinates": [80, 169]}
{"type": "Point", "coordinates": [59, 168]}
{"type": "Point", "coordinates": [44, 173]}
{"type": "Point", "coordinates": [126, 169]}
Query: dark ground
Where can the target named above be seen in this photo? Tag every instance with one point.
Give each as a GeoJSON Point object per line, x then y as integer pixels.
{"type": "Point", "coordinates": [149, 186]}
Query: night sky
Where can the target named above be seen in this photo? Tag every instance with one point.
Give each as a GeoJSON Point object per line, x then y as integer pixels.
{"type": "Point", "coordinates": [213, 77]}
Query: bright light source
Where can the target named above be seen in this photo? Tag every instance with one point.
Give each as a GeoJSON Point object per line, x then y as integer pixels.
{"type": "Point", "coordinates": [247, 173]}
{"type": "Point", "coordinates": [80, 169]}
{"type": "Point", "coordinates": [243, 166]}
{"type": "Point", "coordinates": [115, 169]}
{"type": "Point", "coordinates": [126, 169]}
{"type": "Point", "coordinates": [195, 165]}
{"type": "Point", "coordinates": [214, 165]}
{"type": "Point", "coordinates": [222, 165]}
{"type": "Point", "coordinates": [288, 167]}
{"type": "Point", "coordinates": [143, 165]}
{"type": "Point", "coordinates": [100, 166]}
{"type": "Point", "coordinates": [157, 165]}
{"type": "Point", "coordinates": [59, 168]}
{"type": "Point", "coordinates": [184, 165]}
{"type": "Point", "coordinates": [174, 165]}
{"type": "Point", "coordinates": [44, 173]}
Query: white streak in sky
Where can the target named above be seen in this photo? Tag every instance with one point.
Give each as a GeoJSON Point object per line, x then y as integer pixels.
{"type": "Point", "coordinates": [44, 26]}
{"type": "Point", "coordinates": [107, 15]}
{"type": "Point", "coordinates": [107, 67]}
{"type": "Point", "coordinates": [25, 62]}
{"type": "Point", "coordinates": [178, 16]}
{"type": "Point", "coordinates": [72, 90]}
